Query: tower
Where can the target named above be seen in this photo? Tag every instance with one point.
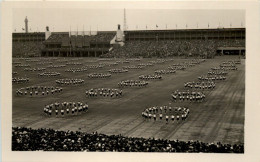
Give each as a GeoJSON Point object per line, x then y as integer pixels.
{"type": "Point", "coordinates": [26, 24]}
{"type": "Point", "coordinates": [47, 33]}
{"type": "Point", "coordinates": [125, 27]}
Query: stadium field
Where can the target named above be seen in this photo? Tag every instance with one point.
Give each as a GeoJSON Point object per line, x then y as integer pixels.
{"type": "Point", "coordinates": [219, 119]}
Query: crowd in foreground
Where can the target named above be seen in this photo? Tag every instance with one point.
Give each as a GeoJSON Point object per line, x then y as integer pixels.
{"type": "Point", "coordinates": [27, 139]}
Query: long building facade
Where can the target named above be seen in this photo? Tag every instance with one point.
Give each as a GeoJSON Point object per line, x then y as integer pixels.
{"type": "Point", "coordinates": [63, 44]}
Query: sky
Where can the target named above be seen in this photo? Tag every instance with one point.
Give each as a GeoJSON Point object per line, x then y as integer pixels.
{"type": "Point", "coordinates": [64, 20]}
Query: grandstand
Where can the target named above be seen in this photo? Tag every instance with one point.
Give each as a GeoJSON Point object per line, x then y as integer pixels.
{"type": "Point", "coordinates": [204, 43]}
{"type": "Point", "coordinates": [65, 45]}
{"type": "Point", "coordinates": [192, 42]}
{"type": "Point", "coordinates": [27, 44]}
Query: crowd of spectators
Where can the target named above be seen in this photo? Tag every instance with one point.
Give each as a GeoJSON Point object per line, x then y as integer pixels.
{"type": "Point", "coordinates": [103, 37]}
{"type": "Point", "coordinates": [27, 49]}
{"type": "Point", "coordinates": [165, 48]}
{"type": "Point", "coordinates": [27, 139]}
{"type": "Point", "coordinates": [169, 48]}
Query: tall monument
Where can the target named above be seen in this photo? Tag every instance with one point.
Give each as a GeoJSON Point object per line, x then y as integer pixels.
{"type": "Point", "coordinates": [26, 25]}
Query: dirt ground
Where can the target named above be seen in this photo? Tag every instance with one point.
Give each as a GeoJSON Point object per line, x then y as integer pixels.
{"type": "Point", "coordinates": [220, 118]}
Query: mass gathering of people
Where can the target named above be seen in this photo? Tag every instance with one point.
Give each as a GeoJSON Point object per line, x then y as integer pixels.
{"type": "Point", "coordinates": [192, 92]}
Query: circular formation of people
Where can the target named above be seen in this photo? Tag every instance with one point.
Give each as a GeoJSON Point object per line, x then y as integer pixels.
{"type": "Point", "coordinates": [65, 109]}
{"type": "Point", "coordinates": [212, 77]}
{"type": "Point", "coordinates": [117, 70]}
{"type": "Point", "coordinates": [133, 67]}
{"type": "Point", "coordinates": [132, 83]}
{"type": "Point", "coordinates": [160, 72]}
{"type": "Point", "coordinates": [95, 66]}
{"type": "Point", "coordinates": [177, 67]}
{"type": "Point", "coordinates": [73, 63]}
{"type": "Point", "coordinates": [104, 92]}
{"type": "Point", "coordinates": [150, 77]}
{"type": "Point", "coordinates": [38, 91]}
{"type": "Point", "coordinates": [217, 72]}
{"type": "Point", "coordinates": [160, 113]}
{"type": "Point", "coordinates": [34, 69]}
{"type": "Point", "coordinates": [14, 73]}
{"type": "Point", "coordinates": [22, 65]}
{"type": "Point", "coordinates": [44, 63]}
{"type": "Point", "coordinates": [20, 80]}
{"type": "Point", "coordinates": [99, 75]}
{"type": "Point", "coordinates": [186, 95]}
{"type": "Point", "coordinates": [69, 81]}
{"type": "Point", "coordinates": [147, 64]}
{"type": "Point", "coordinates": [73, 70]}
{"type": "Point", "coordinates": [56, 66]}
{"type": "Point", "coordinates": [209, 85]}
{"type": "Point", "coordinates": [49, 74]}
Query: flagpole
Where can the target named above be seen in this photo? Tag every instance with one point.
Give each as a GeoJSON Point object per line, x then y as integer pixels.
{"type": "Point", "coordinates": [83, 35]}
{"type": "Point", "coordinates": [70, 40]}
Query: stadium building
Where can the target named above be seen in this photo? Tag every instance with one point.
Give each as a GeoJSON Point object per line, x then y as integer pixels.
{"type": "Point", "coordinates": [133, 43]}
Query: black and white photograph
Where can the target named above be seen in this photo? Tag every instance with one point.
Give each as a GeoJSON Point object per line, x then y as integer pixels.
{"type": "Point", "coordinates": [124, 79]}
